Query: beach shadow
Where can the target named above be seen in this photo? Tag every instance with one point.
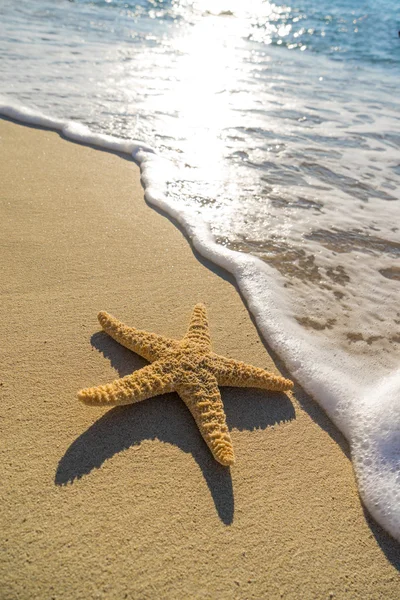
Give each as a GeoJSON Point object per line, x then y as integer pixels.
{"type": "Point", "coordinates": [389, 546]}
{"type": "Point", "coordinates": [166, 419]}
{"type": "Point", "coordinates": [216, 269]}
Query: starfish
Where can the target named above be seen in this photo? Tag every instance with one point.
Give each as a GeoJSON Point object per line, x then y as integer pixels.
{"type": "Point", "coordinates": [189, 367]}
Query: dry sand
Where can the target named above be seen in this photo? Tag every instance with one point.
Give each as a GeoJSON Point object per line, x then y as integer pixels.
{"type": "Point", "coordinates": [128, 503]}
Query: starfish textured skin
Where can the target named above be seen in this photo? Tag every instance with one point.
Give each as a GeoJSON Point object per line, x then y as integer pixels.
{"type": "Point", "coordinates": [188, 367]}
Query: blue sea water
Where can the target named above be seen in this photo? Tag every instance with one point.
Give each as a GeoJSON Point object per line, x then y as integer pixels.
{"type": "Point", "coordinates": [362, 31]}
{"type": "Point", "coordinates": [278, 126]}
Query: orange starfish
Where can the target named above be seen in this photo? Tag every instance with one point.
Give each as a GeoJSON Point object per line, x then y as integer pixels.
{"type": "Point", "coordinates": [189, 367]}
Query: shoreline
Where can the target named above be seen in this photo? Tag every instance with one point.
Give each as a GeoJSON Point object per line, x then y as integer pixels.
{"type": "Point", "coordinates": [79, 239]}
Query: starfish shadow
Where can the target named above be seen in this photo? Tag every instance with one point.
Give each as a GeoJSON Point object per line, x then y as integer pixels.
{"type": "Point", "coordinates": [166, 418]}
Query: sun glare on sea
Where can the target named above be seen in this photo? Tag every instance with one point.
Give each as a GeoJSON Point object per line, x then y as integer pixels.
{"type": "Point", "coordinates": [207, 71]}
{"type": "Point", "coordinates": [211, 65]}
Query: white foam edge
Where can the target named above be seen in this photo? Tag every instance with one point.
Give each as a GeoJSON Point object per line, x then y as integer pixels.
{"type": "Point", "coordinates": [366, 411]}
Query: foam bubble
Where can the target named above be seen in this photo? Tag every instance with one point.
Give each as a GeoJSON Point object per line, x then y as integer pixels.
{"type": "Point", "coordinates": [375, 449]}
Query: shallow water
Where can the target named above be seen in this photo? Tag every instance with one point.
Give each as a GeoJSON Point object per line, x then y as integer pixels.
{"type": "Point", "coordinates": [280, 129]}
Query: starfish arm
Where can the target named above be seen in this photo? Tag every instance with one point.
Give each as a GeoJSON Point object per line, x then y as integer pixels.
{"type": "Point", "coordinates": [201, 395]}
{"type": "Point", "coordinates": [142, 384]}
{"type": "Point", "coordinates": [239, 374]}
{"type": "Point", "coordinates": [149, 345]}
{"type": "Point", "coordinates": [198, 331]}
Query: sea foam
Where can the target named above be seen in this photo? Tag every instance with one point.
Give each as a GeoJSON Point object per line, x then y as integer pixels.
{"type": "Point", "coordinates": [364, 404]}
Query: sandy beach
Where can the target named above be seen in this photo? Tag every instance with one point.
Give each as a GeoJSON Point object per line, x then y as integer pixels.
{"type": "Point", "coordinates": [128, 502]}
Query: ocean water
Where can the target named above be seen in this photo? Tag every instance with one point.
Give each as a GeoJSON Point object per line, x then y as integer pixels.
{"type": "Point", "coordinates": [272, 133]}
